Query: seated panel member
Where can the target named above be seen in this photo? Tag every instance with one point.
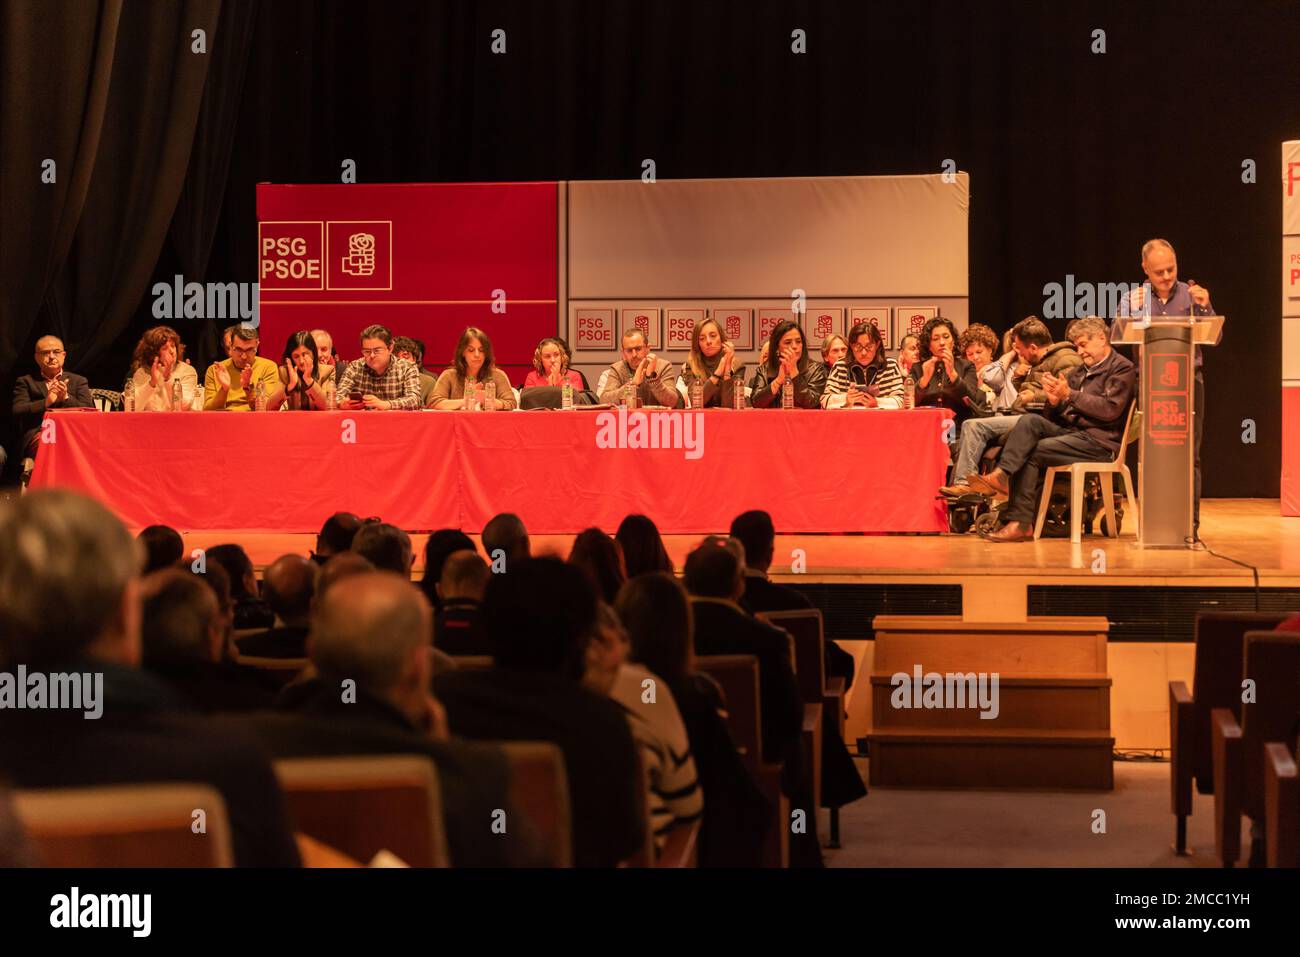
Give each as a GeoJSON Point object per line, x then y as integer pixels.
{"type": "Point", "coordinates": [51, 389]}
{"type": "Point", "coordinates": [1042, 355]}
{"type": "Point", "coordinates": [713, 360]}
{"type": "Point", "coordinates": [156, 367]}
{"type": "Point", "coordinates": [326, 355]}
{"type": "Point", "coordinates": [404, 347]}
{"type": "Point", "coordinates": [909, 353]}
{"type": "Point", "coordinates": [942, 377]}
{"type": "Point", "coordinates": [788, 360]}
{"type": "Point", "coordinates": [834, 348]}
{"type": "Point", "coordinates": [551, 366]}
{"type": "Point", "coordinates": [474, 360]}
{"type": "Point", "coordinates": [1083, 422]}
{"type": "Point", "coordinates": [302, 377]}
{"type": "Point", "coordinates": [230, 384]}
{"type": "Point", "coordinates": [864, 377]}
{"type": "Point", "coordinates": [384, 381]}
{"type": "Point", "coordinates": [654, 378]}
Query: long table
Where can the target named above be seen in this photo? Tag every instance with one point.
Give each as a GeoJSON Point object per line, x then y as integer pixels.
{"type": "Point", "coordinates": [814, 471]}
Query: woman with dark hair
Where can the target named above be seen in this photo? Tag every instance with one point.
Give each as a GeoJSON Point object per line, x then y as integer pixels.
{"type": "Point", "coordinates": [439, 546]}
{"type": "Point", "coordinates": [156, 369]}
{"type": "Point", "coordinates": [473, 361]}
{"type": "Point", "coordinates": [656, 614]}
{"type": "Point", "coordinates": [942, 377]}
{"type": "Point", "coordinates": [551, 366]}
{"type": "Point", "coordinates": [712, 360]}
{"type": "Point", "coordinates": [643, 549]}
{"type": "Point", "coordinates": [301, 375]}
{"type": "Point", "coordinates": [788, 361]}
{"type": "Point", "coordinates": [601, 558]}
{"type": "Point", "coordinates": [865, 377]}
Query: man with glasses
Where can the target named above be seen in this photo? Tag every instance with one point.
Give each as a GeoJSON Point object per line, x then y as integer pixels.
{"type": "Point", "coordinates": [381, 380]}
{"type": "Point", "coordinates": [231, 384]}
{"type": "Point", "coordinates": [53, 388]}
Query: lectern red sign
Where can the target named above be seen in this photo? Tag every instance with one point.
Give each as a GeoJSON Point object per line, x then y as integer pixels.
{"type": "Point", "coordinates": [1169, 420]}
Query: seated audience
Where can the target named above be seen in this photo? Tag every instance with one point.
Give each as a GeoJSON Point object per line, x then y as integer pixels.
{"type": "Point", "coordinates": [909, 353]}
{"type": "Point", "coordinates": [303, 379]}
{"type": "Point", "coordinates": [944, 378]}
{"type": "Point", "coordinates": [551, 367]}
{"type": "Point", "coordinates": [643, 549]}
{"type": "Point", "coordinates": [865, 376]}
{"type": "Point", "coordinates": [712, 360]}
{"type": "Point", "coordinates": [81, 614]}
{"type": "Point", "coordinates": [231, 384]}
{"type": "Point", "coordinates": [185, 638]}
{"type": "Point", "coordinates": [788, 361]}
{"type": "Point", "coordinates": [539, 619]}
{"type": "Point", "coordinates": [370, 695]}
{"type": "Point", "coordinates": [404, 347]}
{"type": "Point", "coordinates": [156, 371]}
{"type": "Point", "coordinates": [335, 536]}
{"type": "Point", "coordinates": [380, 381]}
{"type": "Point", "coordinates": [250, 610]}
{"type": "Point", "coordinates": [654, 378]}
{"type": "Point", "coordinates": [1083, 422]}
{"type": "Point", "coordinates": [386, 546]}
{"type": "Point", "coordinates": [326, 355]}
{"type": "Point", "coordinates": [656, 613]}
{"type": "Point", "coordinates": [341, 566]}
{"type": "Point", "coordinates": [473, 362]}
{"type": "Point", "coordinates": [163, 547]}
{"type": "Point", "coordinates": [673, 793]}
{"type": "Point", "coordinates": [457, 628]}
{"type": "Point", "coordinates": [288, 585]}
{"type": "Point", "coordinates": [505, 541]}
{"type": "Point", "coordinates": [438, 547]}
{"type": "Point", "coordinates": [53, 388]}
{"type": "Point", "coordinates": [601, 560]}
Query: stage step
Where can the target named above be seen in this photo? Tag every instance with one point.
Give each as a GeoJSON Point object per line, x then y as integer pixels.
{"type": "Point", "coordinates": [1066, 759]}
{"type": "Point", "coordinates": [1042, 703]}
{"type": "Point", "coordinates": [943, 643]}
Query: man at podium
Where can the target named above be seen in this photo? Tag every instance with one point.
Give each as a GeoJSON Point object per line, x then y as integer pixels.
{"type": "Point", "coordinates": [1164, 295]}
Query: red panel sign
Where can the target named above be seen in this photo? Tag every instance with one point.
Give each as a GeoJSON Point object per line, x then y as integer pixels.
{"type": "Point", "coordinates": [1169, 420]}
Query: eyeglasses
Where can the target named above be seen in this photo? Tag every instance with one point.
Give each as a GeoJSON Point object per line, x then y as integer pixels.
{"type": "Point", "coordinates": [373, 352]}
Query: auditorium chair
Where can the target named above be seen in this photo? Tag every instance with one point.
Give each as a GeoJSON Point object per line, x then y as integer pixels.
{"type": "Point", "coordinates": [1216, 683]}
{"type": "Point", "coordinates": [737, 675]}
{"type": "Point", "coordinates": [472, 662]}
{"type": "Point", "coordinates": [804, 626]}
{"type": "Point", "coordinates": [1281, 805]}
{"type": "Point", "coordinates": [1272, 663]}
{"type": "Point", "coordinates": [106, 400]}
{"type": "Point", "coordinates": [137, 825]}
{"type": "Point", "coordinates": [366, 804]}
{"type": "Point", "coordinates": [1078, 473]}
{"type": "Point", "coordinates": [539, 790]}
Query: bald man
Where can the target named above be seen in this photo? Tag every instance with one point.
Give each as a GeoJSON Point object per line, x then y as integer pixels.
{"type": "Point", "coordinates": [51, 388]}
{"type": "Point", "coordinates": [288, 586]}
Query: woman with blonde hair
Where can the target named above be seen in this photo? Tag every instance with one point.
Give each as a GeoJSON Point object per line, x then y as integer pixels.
{"type": "Point", "coordinates": [712, 361]}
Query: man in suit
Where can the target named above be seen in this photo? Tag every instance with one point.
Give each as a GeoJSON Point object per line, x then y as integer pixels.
{"type": "Point", "coordinates": [539, 618]}
{"type": "Point", "coordinates": [79, 616]}
{"type": "Point", "coordinates": [288, 585]}
{"type": "Point", "coordinates": [457, 630]}
{"type": "Point", "coordinates": [52, 388]}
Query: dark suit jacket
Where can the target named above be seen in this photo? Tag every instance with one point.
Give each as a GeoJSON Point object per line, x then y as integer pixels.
{"type": "Point", "coordinates": [283, 642]}
{"type": "Point", "coordinates": [599, 753]}
{"type": "Point", "coordinates": [761, 594]}
{"type": "Point", "coordinates": [313, 721]}
{"type": "Point", "coordinates": [29, 403]}
{"type": "Point", "coordinates": [145, 736]}
{"type": "Point", "coordinates": [456, 629]}
{"type": "Point", "coordinates": [214, 688]}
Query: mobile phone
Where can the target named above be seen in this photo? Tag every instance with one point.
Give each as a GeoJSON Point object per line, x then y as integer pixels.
{"type": "Point", "coordinates": [355, 396]}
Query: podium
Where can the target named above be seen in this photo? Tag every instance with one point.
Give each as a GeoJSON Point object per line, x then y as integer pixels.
{"type": "Point", "coordinates": [1167, 449]}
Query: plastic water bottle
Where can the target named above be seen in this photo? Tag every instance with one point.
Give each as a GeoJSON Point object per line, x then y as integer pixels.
{"type": "Point", "coordinates": [128, 396]}
{"type": "Point", "coordinates": [566, 395]}
{"type": "Point", "coordinates": [489, 396]}
{"type": "Point", "coordinates": [909, 393]}
{"type": "Point", "coordinates": [260, 399]}
{"type": "Point", "coordinates": [787, 394]}
{"type": "Point", "coordinates": [629, 397]}
{"type": "Point", "coordinates": [697, 394]}
{"type": "Point", "coordinates": [331, 397]}
{"type": "Point", "coordinates": [738, 395]}
{"type": "Point", "coordinates": [471, 395]}
{"type": "Point", "coordinates": [177, 395]}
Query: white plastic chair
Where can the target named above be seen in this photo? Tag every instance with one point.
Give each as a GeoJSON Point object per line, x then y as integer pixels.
{"type": "Point", "coordinates": [1078, 472]}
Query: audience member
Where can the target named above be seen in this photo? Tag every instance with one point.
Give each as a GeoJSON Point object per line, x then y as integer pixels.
{"type": "Point", "coordinates": [473, 362]}
{"type": "Point", "coordinates": [157, 371]}
{"type": "Point", "coordinates": [601, 560]}
{"type": "Point", "coordinates": [380, 381]}
{"type": "Point", "coordinates": [341, 566]}
{"type": "Point", "coordinates": [505, 540]}
{"type": "Point", "coordinates": [643, 549]}
{"type": "Point", "coordinates": [865, 376]}
{"type": "Point", "coordinates": [387, 546]}
{"type": "Point", "coordinates": [788, 361]}
{"type": "Point", "coordinates": [437, 548]}
{"type": "Point", "coordinates": [250, 610]}
{"type": "Point", "coordinates": [288, 585]}
{"type": "Point", "coordinates": [232, 384]}
{"type": "Point", "coordinates": [712, 361]}
{"type": "Point", "coordinates": [53, 388]}
{"type": "Point", "coordinates": [539, 618]}
{"type": "Point", "coordinates": [551, 367]}
{"type": "Point", "coordinates": [335, 536]}
{"type": "Point", "coordinates": [81, 615]}
{"type": "Point", "coordinates": [303, 379]}
{"type": "Point", "coordinates": [461, 585]}
{"type": "Point", "coordinates": [163, 547]}
{"type": "Point", "coordinates": [654, 378]}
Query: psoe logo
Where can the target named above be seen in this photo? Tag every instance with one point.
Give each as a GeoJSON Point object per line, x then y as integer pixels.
{"type": "Point", "coordinates": [651, 430]}
{"type": "Point", "coordinates": [360, 260]}
{"type": "Point", "coordinates": [72, 910]}
{"type": "Point", "coordinates": [947, 691]}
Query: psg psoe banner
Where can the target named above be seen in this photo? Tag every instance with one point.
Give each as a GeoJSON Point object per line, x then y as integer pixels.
{"type": "Point", "coordinates": [1291, 327]}
{"type": "Point", "coordinates": [423, 259]}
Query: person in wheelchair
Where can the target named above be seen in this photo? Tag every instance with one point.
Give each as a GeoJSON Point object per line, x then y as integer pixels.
{"type": "Point", "coordinates": [1082, 422]}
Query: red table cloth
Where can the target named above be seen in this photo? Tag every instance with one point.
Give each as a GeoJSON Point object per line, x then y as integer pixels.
{"type": "Point", "coordinates": [814, 471]}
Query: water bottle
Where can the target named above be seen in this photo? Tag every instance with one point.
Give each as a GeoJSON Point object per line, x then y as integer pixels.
{"type": "Point", "coordinates": [177, 395]}
{"type": "Point", "coordinates": [128, 396]}
{"type": "Point", "coordinates": [697, 394]}
{"type": "Point", "coordinates": [737, 395]}
{"type": "Point", "coordinates": [787, 394]}
{"type": "Point", "coordinates": [909, 393]}
{"type": "Point", "coordinates": [566, 395]}
{"type": "Point", "coordinates": [331, 397]}
{"type": "Point", "coordinates": [489, 396]}
{"type": "Point", "coordinates": [628, 400]}
{"type": "Point", "coordinates": [260, 397]}
{"type": "Point", "coordinates": [471, 395]}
